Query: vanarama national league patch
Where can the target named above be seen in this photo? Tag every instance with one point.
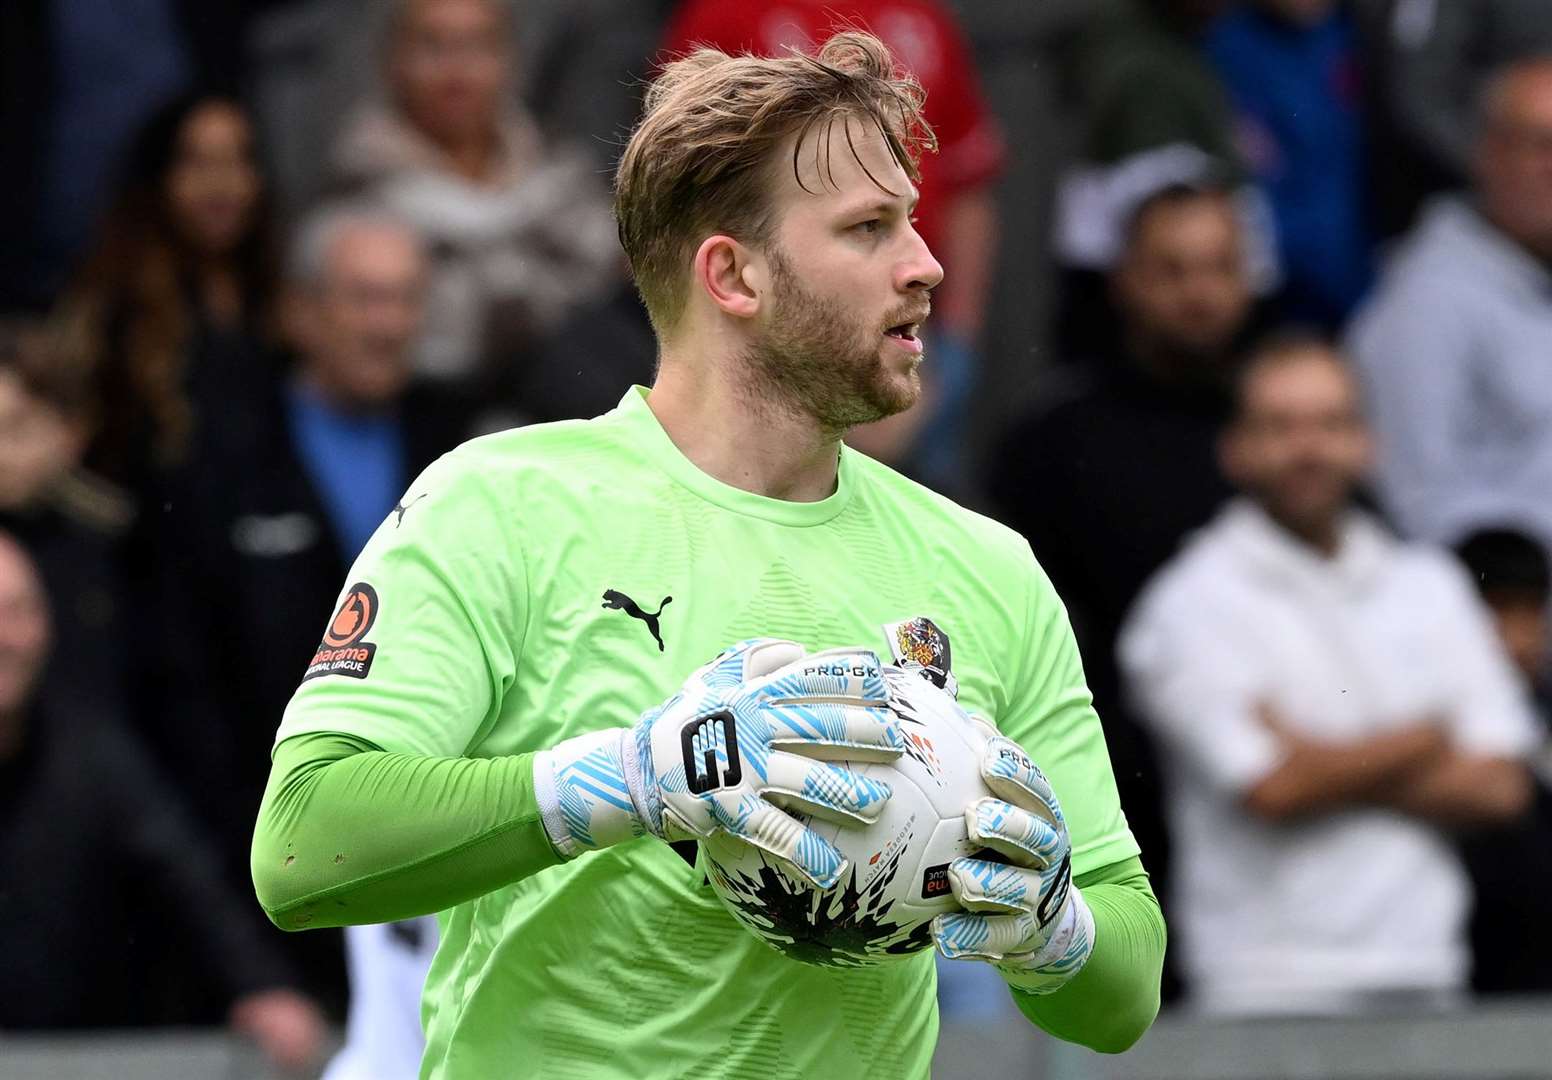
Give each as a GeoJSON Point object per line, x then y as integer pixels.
{"type": "Point", "coordinates": [344, 649]}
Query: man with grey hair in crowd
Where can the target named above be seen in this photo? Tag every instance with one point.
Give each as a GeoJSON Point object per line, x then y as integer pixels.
{"type": "Point", "coordinates": [1453, 346]}
{"type": "Point", "coordinates": [322, 460]}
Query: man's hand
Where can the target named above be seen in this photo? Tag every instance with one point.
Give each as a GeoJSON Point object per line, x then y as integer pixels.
{"type": "Point", "coordinates": [745, 736]}
{"type": "Point", "coordinates": [288, 1028]}
{"type": "Point", "coordinates": [1024, 916]}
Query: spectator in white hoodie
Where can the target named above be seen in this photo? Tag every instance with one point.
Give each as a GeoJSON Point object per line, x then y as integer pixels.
{"type": "Point", "coordinates": [1330, 701]}
{"type": "Point", "coordinates": [1453, 347]}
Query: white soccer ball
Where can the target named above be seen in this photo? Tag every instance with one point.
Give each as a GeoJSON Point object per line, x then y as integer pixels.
{"type": "Point", "coordinates": [897, 878]}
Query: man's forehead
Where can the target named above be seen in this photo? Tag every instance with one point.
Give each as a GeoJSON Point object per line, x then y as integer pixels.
{"type": "Point", "coordinates": [844, 157]}
{"type": "Point", "coordinates": [369, 246]}
{"type": "Point", "coordinates": [418, 13]}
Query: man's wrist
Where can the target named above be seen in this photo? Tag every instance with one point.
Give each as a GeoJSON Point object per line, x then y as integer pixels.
{"type": "Point", "coordinates": [1063, 955]}
{"type": "Point", "coordinates": [585, 799]}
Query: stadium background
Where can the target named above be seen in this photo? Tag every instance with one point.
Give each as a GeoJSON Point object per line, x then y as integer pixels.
{"type": "Point", "coordinates": [163, 474]}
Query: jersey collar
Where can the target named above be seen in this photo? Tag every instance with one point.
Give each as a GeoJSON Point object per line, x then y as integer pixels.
{"type": "Point", "coordinates": [642, 425]}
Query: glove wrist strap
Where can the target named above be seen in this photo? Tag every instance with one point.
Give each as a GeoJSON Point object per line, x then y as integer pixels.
{"type": "Point", "coordinates": [586, 800]}
{"type": "Point", "coordinates": [1062, 956]}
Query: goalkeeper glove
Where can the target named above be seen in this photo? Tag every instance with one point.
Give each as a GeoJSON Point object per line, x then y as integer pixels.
{"type": "Point", "coordinates": [1024, 916]}
{"type": "Point", "coordinates": [745, 736]}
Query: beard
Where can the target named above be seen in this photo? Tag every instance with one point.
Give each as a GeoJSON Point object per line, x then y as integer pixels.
{"type": "Point", "coordinates": [817, 361]}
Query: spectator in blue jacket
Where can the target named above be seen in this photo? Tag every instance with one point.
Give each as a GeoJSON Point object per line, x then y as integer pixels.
{"type": "Point", "coordinates": [1291, 68]}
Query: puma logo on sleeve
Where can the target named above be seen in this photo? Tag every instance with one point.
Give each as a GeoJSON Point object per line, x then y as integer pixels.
{"type": "Point", "coordinates": [403, 508]}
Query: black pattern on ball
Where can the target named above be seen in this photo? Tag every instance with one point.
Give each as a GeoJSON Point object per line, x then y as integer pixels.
{"type": "Point", "coordinates": [843, 927]}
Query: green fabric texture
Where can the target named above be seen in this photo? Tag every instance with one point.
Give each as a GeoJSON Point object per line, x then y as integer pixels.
{"type": "Point", "coordinates": [1113, 1000]}
{"type": "Point", "coordinates": [350, 834]}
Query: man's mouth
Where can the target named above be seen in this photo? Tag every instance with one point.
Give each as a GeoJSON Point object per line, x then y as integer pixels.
{"type": "Point", "coordinates": [908, 329]}
{"type": "Point", "coordinates": [907, 335]}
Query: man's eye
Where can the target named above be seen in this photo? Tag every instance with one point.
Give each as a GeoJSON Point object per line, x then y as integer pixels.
{"type": "Point", "coordinates": [872, 225]}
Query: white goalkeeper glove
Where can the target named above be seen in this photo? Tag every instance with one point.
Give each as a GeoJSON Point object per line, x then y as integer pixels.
{"type": "Point", "coordinates": [1025, 917]}
{"type": "Point", "coordinates": [746, 735]}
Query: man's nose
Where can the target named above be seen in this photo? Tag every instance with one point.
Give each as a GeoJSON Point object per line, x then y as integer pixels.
{"type": "Point", "coordinates": [920, 270]}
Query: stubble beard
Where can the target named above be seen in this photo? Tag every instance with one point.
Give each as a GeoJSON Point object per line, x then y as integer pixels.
{"type": "Point", "coordinates": [818, 363]}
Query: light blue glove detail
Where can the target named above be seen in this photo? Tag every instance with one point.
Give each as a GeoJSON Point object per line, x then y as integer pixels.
{"type": "Point", "coordinates": [1024, 916]}
{"type": "Point", "coordinates": [754, 733]}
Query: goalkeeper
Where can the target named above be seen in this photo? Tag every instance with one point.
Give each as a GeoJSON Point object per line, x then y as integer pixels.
{"type": "Point", "coordinates": [497, 725]}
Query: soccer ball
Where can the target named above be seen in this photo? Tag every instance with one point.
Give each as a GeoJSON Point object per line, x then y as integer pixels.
{"type": "Point", "coordinates": [897, 878]}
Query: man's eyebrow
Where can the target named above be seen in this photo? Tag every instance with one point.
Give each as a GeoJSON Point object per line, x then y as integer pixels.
{"type": "Point", "coordinates": [885, 205]}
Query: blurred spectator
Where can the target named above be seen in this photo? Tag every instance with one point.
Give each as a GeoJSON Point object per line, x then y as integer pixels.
{"type": "Point", "coordinates": [168, 310]}
{"type": "Point", "coordinates": [247, 572]}
{"type": "Point", "coordinates": [1511, 867]}
{"type": "Point", "coordinates": [1429, 60]}
{"type": "Point", "coordinates": [591, 61]}
{"type": "Point", "coordinates": [1453, 346]}
{"type": "Point", "coordinates": [1291, 67]}
{"type": "Point", "coordinates": [70, 524]}
{"type": "Point", "coordinates": [88, 836]}
{"type": "Point", "coordinates": [1144, 83]}
{"type": "Point", "coordinates": [388, 965]}
{"type": "Point", "coordinates": [77, 79]}
{"type": "Point", "coordinates": [519, 233]}
{"type": "Point", "coordinates": [578, 64]}
{"type": "Point", "coordinates": [1100, 515]}
{"type": "Point", "coordinates": [1143, 91]}
{"type": "Point", "coordinates": [1512, 575]}
{"type": "Point", "coordinates": [1154, 115]}
{"type": "Point", "coordinates": [1117, 463]}
{"type": "Point", "coordinates": [957, 215]}
{"type": "Point", "coordinates": [1330, 700]}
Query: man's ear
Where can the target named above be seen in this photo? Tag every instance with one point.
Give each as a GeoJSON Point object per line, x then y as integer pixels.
{"type": "Point", "coordinates": [731, 275]}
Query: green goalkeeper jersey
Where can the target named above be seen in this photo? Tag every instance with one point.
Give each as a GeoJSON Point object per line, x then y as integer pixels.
{"type": "Point", "coordinates": [544, 582]}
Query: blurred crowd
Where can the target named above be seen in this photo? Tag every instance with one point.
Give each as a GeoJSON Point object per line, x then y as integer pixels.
{"type": "Point", "coordinates": [1245, 327]}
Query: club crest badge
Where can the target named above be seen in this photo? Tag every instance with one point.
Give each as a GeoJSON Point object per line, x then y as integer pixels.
{"type": "Point", "coordinates": [918, 644]}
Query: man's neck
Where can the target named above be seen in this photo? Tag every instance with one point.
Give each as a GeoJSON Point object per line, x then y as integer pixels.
{"type": "Point", "coordinates": [1171, 367]}
{"type": "Point", "coordinates": [1323, 535]}
{"type": "Point", "coordinates": [220, 291]}
{"type": "Point", "coordinates": [1541, 253]}
{"type": "Point", "coordinates": [473, 162]}
{"type": "Point", "coordinates": [471, 156]}
{"type": "Point", "coordinates": [753, 445]}
{"type": "Point", "coordinates": [11, 728]}
{"type": "Point", "coordinates": [318, 390]}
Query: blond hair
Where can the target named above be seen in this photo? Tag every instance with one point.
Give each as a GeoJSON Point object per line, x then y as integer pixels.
{"type": "Point", "coordinates": [696, 162]}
